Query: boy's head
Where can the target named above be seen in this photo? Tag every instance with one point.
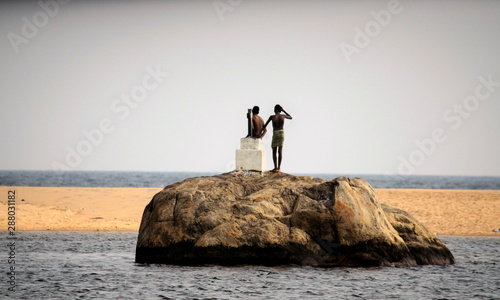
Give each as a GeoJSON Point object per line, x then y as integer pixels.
{"type": "Point", "coordinates": [278, 109]}
{"type": "Point", "coordinates": [255, 110]}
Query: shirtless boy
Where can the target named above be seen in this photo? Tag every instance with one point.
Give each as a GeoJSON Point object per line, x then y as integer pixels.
{"type": "Point", "coordinates": [278, 134]}
{"type": "Point", "coordinates": [257, 124]}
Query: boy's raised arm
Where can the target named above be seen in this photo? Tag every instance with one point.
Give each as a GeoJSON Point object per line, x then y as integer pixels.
{"type": "Point", "coordinates": [287, 115]}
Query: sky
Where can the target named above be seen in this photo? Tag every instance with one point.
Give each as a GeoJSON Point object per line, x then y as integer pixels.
{"type": "Point", "coordinates": [374, 87]}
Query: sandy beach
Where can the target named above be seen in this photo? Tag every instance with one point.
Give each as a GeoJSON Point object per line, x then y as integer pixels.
{"type": "Point", "coordinates": [444, 212]}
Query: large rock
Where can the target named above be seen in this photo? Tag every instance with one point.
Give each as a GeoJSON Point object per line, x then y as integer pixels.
{"type": "Point", "coordinates": [278, 218]}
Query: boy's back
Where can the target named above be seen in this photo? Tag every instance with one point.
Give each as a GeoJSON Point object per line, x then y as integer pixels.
{"type": "Point", "coordinates": [278, 121]}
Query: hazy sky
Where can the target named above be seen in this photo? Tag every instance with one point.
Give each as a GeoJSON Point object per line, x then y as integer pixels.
{"type": "Point", "coordinates": [374, 87]}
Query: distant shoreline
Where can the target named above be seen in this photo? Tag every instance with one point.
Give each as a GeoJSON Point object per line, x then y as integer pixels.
{"type": "Point", "coordinates": [444, 212]}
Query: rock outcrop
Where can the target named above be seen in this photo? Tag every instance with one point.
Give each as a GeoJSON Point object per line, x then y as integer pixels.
{"type": "Point", "coordinates": [275, 219]}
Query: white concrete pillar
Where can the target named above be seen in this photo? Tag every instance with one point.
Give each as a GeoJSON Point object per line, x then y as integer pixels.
{"type": "Point", "coordinates": [250, 156]}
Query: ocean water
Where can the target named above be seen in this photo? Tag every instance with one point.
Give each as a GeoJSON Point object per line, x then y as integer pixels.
{"type": "Point", "coordinates": [100, 265]}
{"type": "Point", "coordinates": [162, 179]}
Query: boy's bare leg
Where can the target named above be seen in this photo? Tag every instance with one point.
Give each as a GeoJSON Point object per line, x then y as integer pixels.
{"type": "Point", "coordinates": [275, 159]}
{"type": "Point", "coordinates": [280, 150]}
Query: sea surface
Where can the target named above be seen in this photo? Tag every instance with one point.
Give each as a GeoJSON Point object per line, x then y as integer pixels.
{"type": "Point", "coordinates": [100, 265]}
{"type": "Point", "coordinates": [162, 179]}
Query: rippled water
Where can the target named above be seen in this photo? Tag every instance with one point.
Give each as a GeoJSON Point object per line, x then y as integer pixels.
{"type": "Point", "coordinates": [100, 265]}
{"type": "Point", "coordinates": [161, 179]}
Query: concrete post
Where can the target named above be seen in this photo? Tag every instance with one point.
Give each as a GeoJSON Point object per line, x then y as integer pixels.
{"type": "Point", "coordinates": [250, 156]}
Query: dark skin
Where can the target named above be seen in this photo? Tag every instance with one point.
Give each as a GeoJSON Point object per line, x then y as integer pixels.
{"type": "Point", "coordinates": [258, 130]}
{"type": "Point", "coordinates": [278, 122]}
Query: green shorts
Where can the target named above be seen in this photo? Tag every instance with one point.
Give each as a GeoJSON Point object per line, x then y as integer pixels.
{"type": "Point", "coordinates": [278, 138]}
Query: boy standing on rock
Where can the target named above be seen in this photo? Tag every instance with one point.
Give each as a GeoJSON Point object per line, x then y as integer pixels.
{"type": "Point", "coordinates": [278, 134]}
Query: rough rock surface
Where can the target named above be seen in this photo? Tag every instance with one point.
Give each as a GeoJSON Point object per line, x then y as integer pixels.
{"type": "Point", "coordinates": [274, 219]}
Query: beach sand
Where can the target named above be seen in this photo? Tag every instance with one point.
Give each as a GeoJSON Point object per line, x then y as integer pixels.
{"type": "Point", "coordinates": [444, 212]}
